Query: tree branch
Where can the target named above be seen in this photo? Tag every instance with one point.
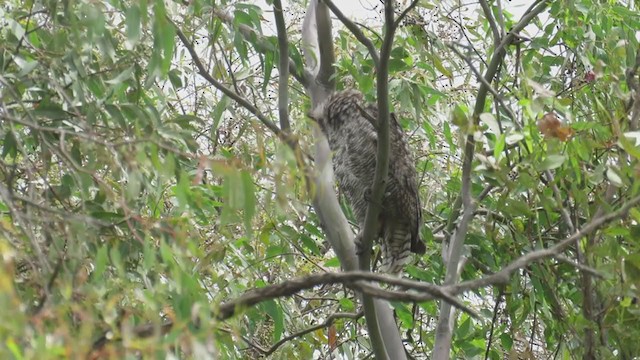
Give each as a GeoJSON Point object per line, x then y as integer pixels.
{"type": "Point", "coordinates": [582, 267]}
{"type": "Point", "coordinates": [444, 329]}
{"type": "Point", "coordinates": [499, 52]}
{"type": "Point", "coordinates": [326, 71]}
{"type": "Point", "coordinates": [371, 223]}
{"type": "Point", "coordinates": [488, 14]}
{"type": "Point", "coordinates": [283, 67]}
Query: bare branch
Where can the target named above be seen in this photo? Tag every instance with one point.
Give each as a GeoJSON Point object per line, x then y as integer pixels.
{"type": "Point", "coordinates": [382, 155]}
{"type": "Point", "coordinates": [397, 295]}
{"type": "Point", "coordinates": [366, 235]}
{"type": "Point", "coordinates": [488, 14]}
{"type": "Point", "coordinates": [310, 47]}
{"type": "Point", "coordinates": [326, 71]}
{"type": "Point", "coordinates": [500, 20]}
{"type": "Point", "coordinates": [283, 68]}
{"type": "Point", "coordinates": [499, 52]}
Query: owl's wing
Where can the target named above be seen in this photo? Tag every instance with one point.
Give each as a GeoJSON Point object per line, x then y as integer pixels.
{"type": "Point", "coordinates": [404, 168]}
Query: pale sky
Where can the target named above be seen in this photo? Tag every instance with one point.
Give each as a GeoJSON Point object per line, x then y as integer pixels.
{"type": "Point", "coordinates": [360, 10]}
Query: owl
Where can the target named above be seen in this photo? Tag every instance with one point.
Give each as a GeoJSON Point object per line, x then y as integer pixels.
{"type": "Point", "coordinates": [350, 125]}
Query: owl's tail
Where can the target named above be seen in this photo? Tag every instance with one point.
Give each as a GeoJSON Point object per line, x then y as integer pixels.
{"type": "Point", "coordinates": [396, 252]}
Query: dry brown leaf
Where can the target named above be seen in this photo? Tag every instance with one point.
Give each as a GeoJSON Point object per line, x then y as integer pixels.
{"type": "Point", "coordinates": [551, 126]}
{"type": "Point", "coordinates": [333, 338]}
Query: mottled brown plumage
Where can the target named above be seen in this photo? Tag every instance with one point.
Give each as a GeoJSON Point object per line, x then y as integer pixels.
{"type": "Point", "coordinates": [350, 125]}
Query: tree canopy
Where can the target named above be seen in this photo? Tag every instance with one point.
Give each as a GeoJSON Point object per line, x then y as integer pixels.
{"type": "Point", "coordinates": [164, 193]}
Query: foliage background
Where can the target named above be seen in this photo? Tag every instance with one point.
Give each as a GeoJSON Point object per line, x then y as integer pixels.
{"type": "Point", "coordinates": [134, 192]}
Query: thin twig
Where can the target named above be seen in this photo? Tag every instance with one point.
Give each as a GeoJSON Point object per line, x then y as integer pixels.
{"type": "Point", "coordinates": [483, 81]}
{"type": "Point", "coordinates": [355, 30]}
{"type": "Point", "coordinates": [328, 321]}
{"type": "Point", "coordinates": [493, 322]}
{"type": "Point", "coordinates": [261, 42]}
{"type": "Point", "coordinates": [558, 197]}
{"type": "Point", "coordinates": [579, 266]}
{"type": "Point", "coordinates": [223, 88]}
{"type": "Point", "coordinates": [404, 13]}
{"type": "Point", "coordinates": [488, 14]}
{"type": "Point", "coordinates": [397, 295]}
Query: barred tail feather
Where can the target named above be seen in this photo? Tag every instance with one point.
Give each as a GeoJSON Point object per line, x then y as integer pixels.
{"type": "Point", "coordinates": [396, 252]}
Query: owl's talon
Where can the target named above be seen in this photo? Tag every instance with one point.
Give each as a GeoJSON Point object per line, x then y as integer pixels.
{"type": "Point", "coordinates": [358, 242]}
{"type": "Point", "coordinates": [367, 194]}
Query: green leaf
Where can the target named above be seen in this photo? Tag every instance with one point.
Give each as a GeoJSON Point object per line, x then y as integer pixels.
{"type": "Point", "coordinates": [552, 162]}
{"type": "Point", "coordinates": [164, 39]}
{"type": "Point", "coordinates": [116, 260]}
{"type": "Point", "coordinates": [507, 341]}
{"type": "Point", "coordinates": [447, 135]}
{"type": "Point", "coordinates": [133, 26]}
{"type": "Point", "coordinates": [438, 64]}
{"type": "Point", "coordinates": [149, 255]}
{"type": "Point", "coordinates": [308, 243]}
{"type": "Point", "coordinates": [460, 117]}
{"type": "Point", "coordinates": [499, 146]}
{"type": "Point", "coordinates": [242, 18]}
{"type": "Point", "coordinates": [50, 111]}
{"type": "Point", "coordinates": [491, 122]}
{"type": "Point", "coordinates": [14, 348]}
{"type": "Point", "coordinates": [218, 110]}
{"type": "Point", "coordinates": [100, 264]}
{"type": "Point", "coordinates": [333, 262]}
{"type": "Point", "coordinates": [174, 77]}
{"type": "Point", "coordinates": [9, 145]}
{"type": "Point", "coordinates": [249, 200]}
{"type": "Point", "coordinates": [630, 142]}
{"type": "Point", "coordinates": [26, 66]}
{"type": "Point", "coordinates": [613, 176]}
{"type": "Point", "coordinates": [116, 114]}
{"type": "Point", "coordinates": [274, 251]}
{"type": "Point", "coordinates": [275, 312]}
{"type": "Point", "coordinates": [122, 77]}
{"type": "Point", "coordinates": [347, 304]}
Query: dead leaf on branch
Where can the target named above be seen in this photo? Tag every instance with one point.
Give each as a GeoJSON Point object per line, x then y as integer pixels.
{"type": "Point", "coordinates": [551, 127]}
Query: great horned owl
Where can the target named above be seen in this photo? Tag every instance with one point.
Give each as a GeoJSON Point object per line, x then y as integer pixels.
{"type": "Point", "coordinates": [350, 125]}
